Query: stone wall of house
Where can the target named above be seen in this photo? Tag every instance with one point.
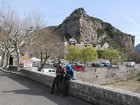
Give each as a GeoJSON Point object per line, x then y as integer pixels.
{"type": "Point", "coordinates": [96, 94]}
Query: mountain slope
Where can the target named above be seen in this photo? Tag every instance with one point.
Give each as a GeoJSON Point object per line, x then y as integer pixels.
{"type": "Point", "coordinates": [85, 28]}
{"type": "Point", "coordinates": [137, 48]}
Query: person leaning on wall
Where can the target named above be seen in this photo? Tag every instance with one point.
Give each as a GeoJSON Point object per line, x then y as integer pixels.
{"type": "Point", "coordinates": [60, 71]}
{"type": "Point", "coordinates": [68, 76]}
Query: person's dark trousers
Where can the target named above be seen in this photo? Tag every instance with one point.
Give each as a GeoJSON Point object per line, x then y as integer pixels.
{"type": "Point", "coordinates": [57, 80]}
{"type": "Point", "coordinates": [65, 87]}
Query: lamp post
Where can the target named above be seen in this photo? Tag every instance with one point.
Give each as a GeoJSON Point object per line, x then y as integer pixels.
{"type": "Point", "coordinates": [57, 50]}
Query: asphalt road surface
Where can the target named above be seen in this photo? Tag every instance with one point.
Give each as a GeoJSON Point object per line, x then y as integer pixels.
{"type": "Point", "coordinates": [17, 90]}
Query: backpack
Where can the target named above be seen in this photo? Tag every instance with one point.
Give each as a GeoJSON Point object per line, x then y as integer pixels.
{"type": "Point", "coordinates": [69, 72]}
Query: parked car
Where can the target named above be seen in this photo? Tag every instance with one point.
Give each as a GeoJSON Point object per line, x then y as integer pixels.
{"type": "Point", "coordinates": [107, 64]}
{"type": "Point", "coordinates": [77, 63]}
{"type": "Point", "coordinates": [55, 64]}
{"type": "Point", "coordinates": [95, 64]}
{"type": "Point", "coordinates": [78, 68]}
{"type": "Point", "coordinates": [130, 64]}
{"type": "Point", "coordinates": [49, 71]}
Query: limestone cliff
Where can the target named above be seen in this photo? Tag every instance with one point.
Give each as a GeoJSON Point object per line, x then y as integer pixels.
{"type": "Point", "coordinates": [85, 28]}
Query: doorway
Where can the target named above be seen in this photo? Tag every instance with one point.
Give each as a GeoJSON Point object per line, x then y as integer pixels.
{"type": "Point", "coordinates": [11, 60]}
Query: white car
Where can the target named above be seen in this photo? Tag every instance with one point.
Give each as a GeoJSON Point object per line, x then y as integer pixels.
{"type": "Point", "coordinates": [130, 64]}
{"type": "Point", "coordinates": [78, 63]}
{"type": "Point", "coordinates": [49, 71]}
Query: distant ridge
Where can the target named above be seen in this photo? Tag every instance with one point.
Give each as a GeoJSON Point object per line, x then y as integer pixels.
{"type": "Point", "coordinates": [137, 48]}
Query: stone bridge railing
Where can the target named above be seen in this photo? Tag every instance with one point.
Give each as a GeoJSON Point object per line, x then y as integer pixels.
{"type": "Point", "coordinates": [99, 95]}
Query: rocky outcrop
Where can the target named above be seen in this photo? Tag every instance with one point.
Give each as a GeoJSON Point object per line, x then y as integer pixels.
{"type": "Point", "coordinates": [85, 28]}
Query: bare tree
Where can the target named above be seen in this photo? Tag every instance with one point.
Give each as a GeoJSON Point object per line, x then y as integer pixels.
{"type": "Point", "coordinates": [17, 31]}
{"type": "Point", "coordinates": [48, 44]}
{"type": "Point", "coordinates": [5, 48]}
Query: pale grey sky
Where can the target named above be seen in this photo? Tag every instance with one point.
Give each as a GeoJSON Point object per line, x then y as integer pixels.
{"type": "Point", "coordinates": [123, 14]}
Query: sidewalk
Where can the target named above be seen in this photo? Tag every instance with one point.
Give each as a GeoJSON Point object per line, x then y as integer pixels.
{"type": "Point", "coordinates": [8, 71]}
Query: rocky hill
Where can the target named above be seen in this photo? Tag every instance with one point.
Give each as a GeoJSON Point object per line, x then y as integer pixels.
{"type": "Point", "coordinates": [137, 48]}
{"type": "Point", "coordinates": [85, 28]}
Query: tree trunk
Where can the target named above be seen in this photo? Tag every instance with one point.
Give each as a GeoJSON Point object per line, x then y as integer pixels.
{"type": "Point", "coordinates": [43, 63]}
{"type": "Point", "coordinates": [85, 63]}
{"type": "Point", "coordinates": [6, 60]}
{"type": "Point", "coordinates": [18, 56]}
{"type": "Point", "coordinates": [41, 57]}
{"type": "Point", "coordinates": [2, 60]}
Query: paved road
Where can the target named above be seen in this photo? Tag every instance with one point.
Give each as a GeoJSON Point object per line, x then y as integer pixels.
{"type": "Point", "coordinates": [17, 90]}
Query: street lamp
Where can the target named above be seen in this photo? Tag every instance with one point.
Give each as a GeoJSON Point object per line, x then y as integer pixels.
{"type": "Point", "coordinates": [57, 50]}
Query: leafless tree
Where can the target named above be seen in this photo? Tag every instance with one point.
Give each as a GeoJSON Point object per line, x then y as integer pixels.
{"type": "Point", "coordinates": [17, 32]}
{"type": "Point", "coordinates": [48, 45]}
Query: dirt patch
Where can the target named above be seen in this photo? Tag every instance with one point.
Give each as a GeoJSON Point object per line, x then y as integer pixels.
{"type": "Point", "coordinates": [132, 85]}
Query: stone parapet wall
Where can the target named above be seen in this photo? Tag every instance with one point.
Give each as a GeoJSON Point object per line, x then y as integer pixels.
{"type": "Point", "coordinates": [96, 94]}
{"type": "Point", "coordinates": [37, 76]}
{"type": "Point", "coordinates": [12, 68]}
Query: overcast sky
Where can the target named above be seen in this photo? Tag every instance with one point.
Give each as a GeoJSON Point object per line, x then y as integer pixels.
{"type": "Point", "coordinates": [123, 14]}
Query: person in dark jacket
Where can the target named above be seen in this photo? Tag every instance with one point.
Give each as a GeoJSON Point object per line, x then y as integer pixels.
{"type": "Point", "coordinates": [60, 71]}
{"type": "Point", "coordinates": [68, 76]}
